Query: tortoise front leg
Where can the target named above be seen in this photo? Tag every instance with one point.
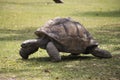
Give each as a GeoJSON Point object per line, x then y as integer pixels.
{"type": "Point", "coordinates": [53, 52]}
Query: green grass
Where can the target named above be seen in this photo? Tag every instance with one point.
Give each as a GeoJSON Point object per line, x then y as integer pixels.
{"type": "Point", "coordinates": [20, 18]}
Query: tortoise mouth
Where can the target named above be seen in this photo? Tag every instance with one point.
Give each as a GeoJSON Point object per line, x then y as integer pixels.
{"type": "Point", "coordinates": [25, 52]}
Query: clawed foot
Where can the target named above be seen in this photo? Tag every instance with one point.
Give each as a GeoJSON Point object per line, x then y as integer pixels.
{"type": "Point", "coordinates": [101, 53]}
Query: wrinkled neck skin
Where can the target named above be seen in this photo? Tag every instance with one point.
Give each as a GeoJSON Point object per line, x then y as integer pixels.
{"type": "Point", "coordinates": [42, 42]}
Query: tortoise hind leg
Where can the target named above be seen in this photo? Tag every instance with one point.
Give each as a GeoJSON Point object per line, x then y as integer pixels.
{"type": "Point", "coordinates": [101, 53]}
{"type": "Point", "coordinates": [53, 52]}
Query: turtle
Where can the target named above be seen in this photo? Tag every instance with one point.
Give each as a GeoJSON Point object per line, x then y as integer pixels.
{"type": "Point", "coordinates": [63, 35]}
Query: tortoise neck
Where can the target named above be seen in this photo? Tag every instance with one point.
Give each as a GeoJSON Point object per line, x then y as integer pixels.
{"type": "Point", "coordinates": [42, 42]}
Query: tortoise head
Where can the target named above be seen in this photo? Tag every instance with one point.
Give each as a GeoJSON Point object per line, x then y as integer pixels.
{"type": "Point", "coordinates": [28, 47]}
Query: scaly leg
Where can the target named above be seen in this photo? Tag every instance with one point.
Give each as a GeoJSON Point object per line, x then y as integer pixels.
{"type": "Point", "coordinates": [53, 52]}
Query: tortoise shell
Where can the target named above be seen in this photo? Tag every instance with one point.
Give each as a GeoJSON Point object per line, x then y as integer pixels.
{"type": "Point", "coordinates": [69, 33]}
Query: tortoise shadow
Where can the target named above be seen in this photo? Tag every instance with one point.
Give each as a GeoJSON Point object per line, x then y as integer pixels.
{"type": "Point", "coordinates": [64, 58]}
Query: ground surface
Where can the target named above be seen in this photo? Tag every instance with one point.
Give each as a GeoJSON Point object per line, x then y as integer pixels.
{"type": "Point", "coordinates": [20, 18]}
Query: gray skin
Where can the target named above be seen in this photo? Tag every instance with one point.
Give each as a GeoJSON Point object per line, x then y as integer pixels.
{"type": "Point", "coordinates": [53, 48]}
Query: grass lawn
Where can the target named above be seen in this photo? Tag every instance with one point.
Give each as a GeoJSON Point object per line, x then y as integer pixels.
{"type": "Point", "coordinates": [20, 18]}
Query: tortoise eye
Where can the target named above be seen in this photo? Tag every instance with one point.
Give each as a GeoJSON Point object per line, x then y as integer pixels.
{"type": "Point", "coordinates": [23, 45]}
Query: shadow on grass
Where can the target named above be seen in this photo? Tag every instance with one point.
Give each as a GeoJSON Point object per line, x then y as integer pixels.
{"type": "Point", "coordinates": [99, 14]}
{"type": "Point", "coordinates": [64, 58]}
{"type": "Point", "coordinates": [68, 58]}
{"type": "Point", "coordinates": [13, 35]}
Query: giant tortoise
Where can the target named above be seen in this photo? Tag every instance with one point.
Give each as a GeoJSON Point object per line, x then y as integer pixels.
{"type": "Point", "coordinates": [63, 35]}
